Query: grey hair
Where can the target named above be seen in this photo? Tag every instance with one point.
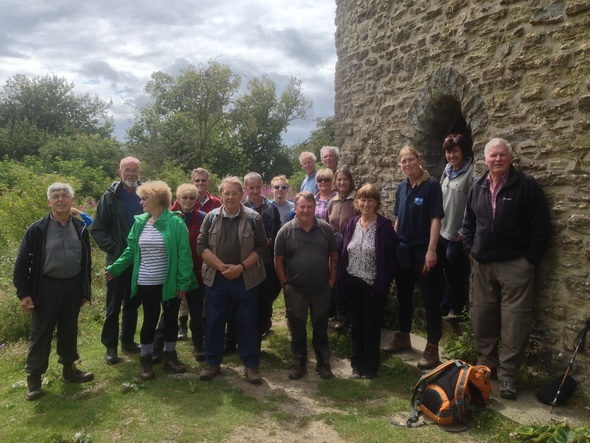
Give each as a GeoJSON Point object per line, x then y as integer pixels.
{"type": "Point", "coordinates": [54, 187]}
{"type": "Point", "coordinates": [252, 176]}
{"type": "Point", "coordinates": [230, 180]}
{"type": "Point", "coordinates": [200, 171]}
{"type": "Point", "coordinates": [497, 141]}
{"type": "Point", "coordinates": [307, 154]}
{"type": "Point", "coordinates": [334, 149]}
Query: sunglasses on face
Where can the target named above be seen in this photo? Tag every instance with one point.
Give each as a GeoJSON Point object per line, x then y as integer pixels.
{"type": "Point", "coordinates": [277, 187]}
{"type": "Point", "coordinates": [324, 180]}
{"type": "Point", "coordinates": [188, 197]}
{"type": "Point", "coordinates": [200, 180]}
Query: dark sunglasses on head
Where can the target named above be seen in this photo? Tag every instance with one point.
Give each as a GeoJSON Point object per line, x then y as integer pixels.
{"type": "Point", "coordinates": [283, 187]}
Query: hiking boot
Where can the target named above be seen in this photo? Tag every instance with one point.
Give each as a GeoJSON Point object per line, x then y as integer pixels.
{"type": "Point", "coordinates": [147, 367]}
{"type": "Point", "coordinates": [171, 363]}
{"type": "Point", "coordinates": [209, 372]}
{"type": "Point", "coordinates": [199, 353]}
{"type": "Point", "coordinates": [253, 375]}
{"type": "Point", "coordinates": [325, 371]}
{"type": "Point", "coordinates": [183, 328]}
{"type": "Point", "coordinates": [111, 357]}
{"type": "Point", "coordinates": [429, 358]}
{"type": "Point", "coordinates": [508, 390]}
{"type": "Point", "coordinates": [73, 374]}
{"type": "Point", "coordinates": [33, 386]}
{"type": "Point", "coordinates": [131, 348]}
{"type": "Point", "coordinates": [400, 342]}
{"type": "Point", "coordinates": [296, 372]}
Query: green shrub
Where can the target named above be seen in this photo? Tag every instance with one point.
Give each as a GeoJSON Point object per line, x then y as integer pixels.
{"type": "Point", "coordinates": [16, 323]}
{"type": "Point", "coordinates": [462, 346]}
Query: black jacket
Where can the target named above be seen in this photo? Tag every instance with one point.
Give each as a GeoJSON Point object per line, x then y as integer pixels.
{"type": "Point", "coordinates": [522, 224]}
{"type": "Point", "coordinates": [111, 226]}
{"type": "Point", "coordinates": [28, 267]}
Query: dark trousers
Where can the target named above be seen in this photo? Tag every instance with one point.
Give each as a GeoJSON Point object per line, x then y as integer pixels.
{"type": "Point", "coordinates": [366, 318]}
{"type": "Point", "coordinates": [268, 291]}
{"type": "Point", "coordinates": [195, 301]}
{"type": "Point", "coordinates": [318, 305]}
{"type": "Point", "coordinates": [455, 266]}
{"type": "Point", "coordinates": [151, 300]}
{"type": "Point", "coordinates": [227, 299]}
{"type": "Point", "coordinates": [119, 294]}
{"type": "Point", "coordinates": [58, 306]}
{"type": "Point", "coordinates": [430, 290]}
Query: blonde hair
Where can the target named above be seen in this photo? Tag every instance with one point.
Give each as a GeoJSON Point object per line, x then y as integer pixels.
{"type": "Point", "coordinates": [413, 151]}
{"type": "Point", "coordinates": [325, 173]}
{"type": "Point", "coordinates": [158, 190]}
{"type": "Point", "coordinates": [279, 178]}
{"type": "Point", "coordinates": [186, 189]}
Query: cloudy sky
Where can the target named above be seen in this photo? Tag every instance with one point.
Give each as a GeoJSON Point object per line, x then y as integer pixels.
{"type": "Point", "coordinates": [110, 48]}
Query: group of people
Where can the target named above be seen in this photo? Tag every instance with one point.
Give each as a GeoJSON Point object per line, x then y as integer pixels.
{"type": "Point", "coordinates": [329, 251]}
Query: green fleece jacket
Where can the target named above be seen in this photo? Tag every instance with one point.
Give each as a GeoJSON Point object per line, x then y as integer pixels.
{"type": "Point", "coordinates": [179, 274]}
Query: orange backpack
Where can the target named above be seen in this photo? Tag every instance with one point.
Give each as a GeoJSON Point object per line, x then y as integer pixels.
{"type": "Point", "coordinates": [445, 393]}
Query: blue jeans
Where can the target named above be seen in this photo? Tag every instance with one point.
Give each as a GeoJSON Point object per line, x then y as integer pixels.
{"type": "Point", "coordinates": [227, 299]}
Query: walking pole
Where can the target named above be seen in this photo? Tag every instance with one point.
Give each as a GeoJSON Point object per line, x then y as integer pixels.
{"type": "Point", "coordinates": [580, 339]}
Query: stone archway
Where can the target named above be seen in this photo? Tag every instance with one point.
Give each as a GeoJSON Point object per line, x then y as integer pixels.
{"type": "Point", "coordinates": [449, 103]}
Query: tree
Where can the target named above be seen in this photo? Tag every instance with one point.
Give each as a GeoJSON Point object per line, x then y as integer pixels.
{"type": "Point", "coordinates": [322, 135]}
{"type": "Point", "coordinates": [261, 117]}
{"type": "Point", "coordinates": [187, 119]}
{"type": "Point", "coordinates": [33, 109]}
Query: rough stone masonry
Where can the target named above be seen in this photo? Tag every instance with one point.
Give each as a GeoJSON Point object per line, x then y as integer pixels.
{"type": "Point", "coordinates": [412, 71]}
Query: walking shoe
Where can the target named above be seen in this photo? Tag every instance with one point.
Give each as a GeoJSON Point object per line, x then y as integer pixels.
{"type": "Point", "coordinates": [183, 328]}
{"type": "Point", "coordinates": [209, 372]}
{"type": "Point", "coordinates": [253, 375]}
{"type": "Point", "coordinates": [429, 358]}
{"type": "Point", "coordinates": [111, 357]}
{"type": "Point", "coordinates": [199, 353]}
{"type": "Point", "coordinates": [33, 386]}
{"type": "Point", "coordinates": [325, 371]}
{"type": "Point", "coordinates": [356, 374]}
{"type": "Point", "coordinates": [508, 390]}
{"type": "Point", "coordinates": [171, 363]}
{"type": "Point", "coordinates": [131, 348]}
{"type": "Point", "coordinates": [400, 342]}
{"type": "Point", "coordinates": [296, 372]}
{"type": "Point", "coordinates": [147, 367]}
{"type": "Point", "coordinates": [72, 373]}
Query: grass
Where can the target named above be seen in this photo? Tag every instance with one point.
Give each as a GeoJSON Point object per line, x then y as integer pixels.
{"type": "Point", "coordinates": [119, 407]}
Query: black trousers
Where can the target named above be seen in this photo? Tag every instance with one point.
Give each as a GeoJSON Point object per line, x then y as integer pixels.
{"type": "Point", "coordinates": [58, 306]}
{"type": "Point", "coordinates": [151, 300]}
{"type": "Point", "coordinates": [366, 318]}
{"type": "Point", "coordinates": [195, 300]}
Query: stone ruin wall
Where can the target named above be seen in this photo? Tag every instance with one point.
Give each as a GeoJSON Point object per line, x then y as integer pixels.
{"type": "Point", "coordinates": [408, 69]}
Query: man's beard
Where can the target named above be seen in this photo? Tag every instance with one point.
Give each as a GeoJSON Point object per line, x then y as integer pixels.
{"type": "Point", "coordinates": [130, 184]}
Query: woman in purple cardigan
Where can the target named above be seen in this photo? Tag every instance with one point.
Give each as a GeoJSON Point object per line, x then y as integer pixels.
{"type": "Point", "coordinates": [367, 269]}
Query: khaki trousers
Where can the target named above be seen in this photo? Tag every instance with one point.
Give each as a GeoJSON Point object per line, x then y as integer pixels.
{"type": "Point", "coordinates": [502, 304]}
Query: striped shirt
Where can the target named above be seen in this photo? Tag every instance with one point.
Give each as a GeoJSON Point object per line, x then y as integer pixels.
{"type": "Point", "coordinates": [154, 258]}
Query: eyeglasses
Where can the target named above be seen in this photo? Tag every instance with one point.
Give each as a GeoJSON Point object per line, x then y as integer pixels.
{"type": "Point", "coordinates": [283, 187]}
{"type": "Point", "coordinates": [329, 156]}
{"type": "Point", "coordinates": [143, 198]}
{"type": "Point", "coordinates": [60, 196]}
{"type": "Point", "coordinates": [188, 197]}
{"type": "Point", "coordinates": [324, 180]}
{"type": "Point", "coordinates": [200, 180]}
{"type": "Point", "coordinates": [231, 194]}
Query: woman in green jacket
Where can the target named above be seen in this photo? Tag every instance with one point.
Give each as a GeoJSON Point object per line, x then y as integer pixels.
{"type": "Point", "coordinates": [158, 248]}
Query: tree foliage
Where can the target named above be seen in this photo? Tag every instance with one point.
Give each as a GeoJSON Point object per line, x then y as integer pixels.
{"type": "Point", "coordinates": [187, 118]}
{"type": "Point", "coordinates": [198, 118]}
{"type": "Point", "coordinates": [32, 110]}
{"type": "Point", "coordinates": [261, 117]}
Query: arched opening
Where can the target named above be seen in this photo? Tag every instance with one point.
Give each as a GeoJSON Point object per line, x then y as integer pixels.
{"type": "Point", "coordinates": [449, 104]}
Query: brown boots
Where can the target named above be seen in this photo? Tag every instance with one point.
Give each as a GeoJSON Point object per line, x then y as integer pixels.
{"type": "Point", "coordinates": [429, 358]}
{"type": "Point", "coordinates": [171, 363]}
{"type": "Point", "coordinates": [73, 374]}
{"type": "Point", "coordinates": [400, 342]}
{"type": "Point", "coordinates": [147, 367]}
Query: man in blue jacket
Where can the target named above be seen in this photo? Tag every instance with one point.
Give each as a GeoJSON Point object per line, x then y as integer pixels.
{"type": "Point", "coordinates": [111, 226]}
{"type": "Point", "coordinates": [506, 231]}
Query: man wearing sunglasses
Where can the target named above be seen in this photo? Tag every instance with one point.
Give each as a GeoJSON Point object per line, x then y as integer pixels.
{"type": "Point", "coordinates": [205, 201]}
{"type": "Point", "coordinates": [280, 190]}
